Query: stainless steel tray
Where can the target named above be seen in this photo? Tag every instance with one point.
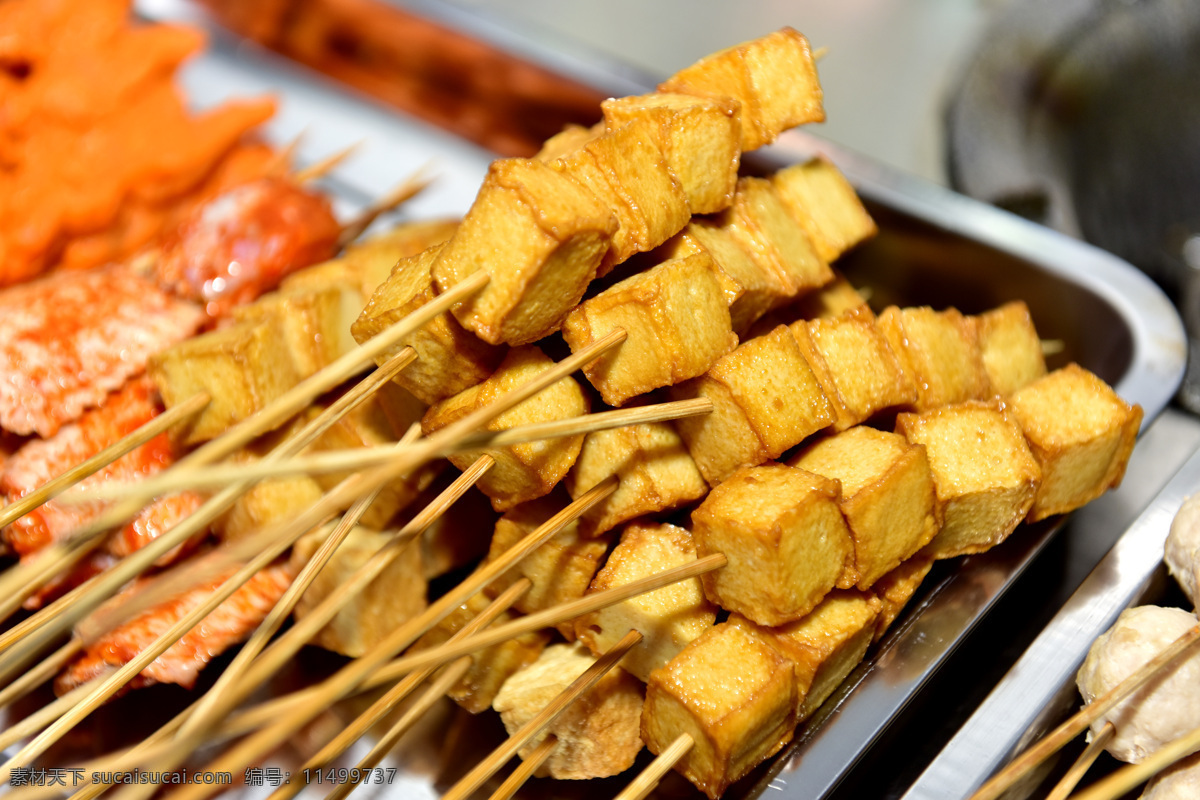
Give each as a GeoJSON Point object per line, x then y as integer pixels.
{"type": "Point", "coordinates": [934, 248]}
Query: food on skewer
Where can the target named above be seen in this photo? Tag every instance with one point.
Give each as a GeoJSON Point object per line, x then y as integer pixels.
{"type": "Point", "coordinates": [888, 497]}
{"type": "Point", "coordinates": [1158, 713]}
{"type": "Point", "coordinates": [668, 618]}
{"type": "Point", "coordinates": [542, 237]}
{"type": "Point", "coordinates": [1180, 782]}
{"type": "Point", "coordinates": [825, 205]}
{"type": "Point", "coordinates": [597, 735]}
{"type": "Point", "coordinates": [1012, 352]}
{"type": "Point", "coordinates": [229, 624]}
{"type": "Point", "coordinates": [1182, 550]}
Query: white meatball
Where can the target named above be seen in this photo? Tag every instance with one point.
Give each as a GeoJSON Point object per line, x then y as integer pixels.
{"type": "Point", "coordinates": [1164, 709]}
{"type": "Point", "coordinates": [1183, 547]}
{"type": "Point", "coordinates": [1180, 782]}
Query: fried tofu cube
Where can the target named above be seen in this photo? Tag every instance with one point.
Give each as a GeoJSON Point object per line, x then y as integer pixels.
{"type": "Point", "coordinates": [598, 733]}
{"type": "Point", "coordinates": [490, 667]}
{"type": "Point", "coordinates": [669, 618]}
{"type": "Point", "coordinates": [895, 589]}
{"type": "Point", "coordinates": [242, 368]}
{"type": "Point", "coordinates": [540, 236]}
{"type": "Point", "coordinates": [366, 264]}
{"type": "Point", "coordinates": [855, 366]}
{"type": "Point", "coordinates": [458, 537]}
{"type": "Point", "coordinates": [986, 477]}
{"type": "Point", "coordinates": [627, 170]}
{"type": "Point", "coordinates": [824, 645]}
{"type": "Point", "coordinates": [700, 138]}
{"type": "Point", "coordinates": [888, 497]}
{"type": "Point", "coordinates": [571, 138]}
{"type": "Point", "coordinates": [449, 359]}
{"type": "Point", "coordinates": [656, 474]}
{"type": "Point", "coordinates": [266, 503]}
{"type": "Point", "coordinates": [314, 320]}
{"type": "Point", "coordinates": [1012, 351]}
{"type": "Point", "coordinates": [824, 203]}
{"type": "Point", "coordinates": [834, 299]}
{"type": "Point", "coordinates": [368, 426]}
{"type": "Point", "coordinates": [750, 288]}
{"type": "Point", "coordinates": [734, 694]}
{"type": "Point", "coordinates": [784, 536]}
{"type": "Point", "coordinates": [395, 596]}
{"type": "Point", "coordinates": [760, 221]}
{"type": "Point", "coordinates": [939, 351]}
{"type": "Point", "coordinates": [677, 325]}
{"type": "Point", "coordinates": [773, 77]}
{"type": "Point", "coordinates": [1081, 433]}
{"type": "Point", "coordinates": [524, 471]}
{"type": "Point", "coordinates": [765, 400]}
{"type": "Point", "coordinates": [560, 569]}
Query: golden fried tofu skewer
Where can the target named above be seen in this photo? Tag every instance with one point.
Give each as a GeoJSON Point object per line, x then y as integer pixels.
{"type": "Point", "coordinates": [500, 756]}
{"type": "Point", "coordinates": [362, 457]}
{"type": "Point", "coordinates": [56, 486]}
{"type": "Point", "coordinates": [1080, 720]}
{"type": "Point", "coordinates": [648, 779]}
{"type": "Point", "coordinates": [1063, 788]}
{"type": "Point", "coordinates": [385, 704]}
{"type": "Point", "coordinates": [27, 578]}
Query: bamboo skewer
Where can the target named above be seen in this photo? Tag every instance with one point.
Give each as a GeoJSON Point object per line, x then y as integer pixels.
{"type": "Point", "coordinates": [26, 626]}
{"type": "Point", "coordinates": [1128, 777]}
{"type": "Point", "coordinates": [648, 779]}
{"type": "Point", "coordinates": [44, 671]}
{"type": "Point", "coordinates": [1056, 739]}
{"type": "Point", "coordinates": [410, 188]}
{"type": "Point", "coordinates": [1082, 764]}
{"type": "Point", "coordinates": [147, 431]}
{"type": "Point", "coordinates": [524, 771]}
{"type": "Point", "coordinates": [401, 690]}
{"type": "Point", "coordinates": [500, 756]}
{"type": "Point", "coordinates": [326, 165]}
{"type": "Point", "coordinates": [286, 405]}
{"type": "Point", "coordinates": [362, 457]}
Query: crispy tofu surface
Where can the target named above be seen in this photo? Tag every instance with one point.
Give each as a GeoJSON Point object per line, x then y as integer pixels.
{"type": "Point", "coordinates": [986, 477]}
{"type": "Point", "coordinates": [1012, 351]}
{"type": "Point", "coordinates": [395, 596]}
{"type": "Point", "coordinates": [785, 538]}
{"type": "Point", "coordinates": [734, 694]}
{"type": "Point", "coordinates": [765, 398]}
{"type": "Point", "coordinates": [700, 139]}
{"type": "Point", "coordinates": [490, 667]}
{"type": "Point", "coordinates": [888, 496]}
{"type": "Point", "coordinates": [560, 569]}
{"type": "Point", "coordinates": [522, 471]}
{"type": "Point", "coordinates": [449, 358]}
{"type": "Point", "coordinates": [540, 236]}
{"type": "Point", "coordinates": [750, 287]}
{"type": "Point", "coordinates": [598, 734]}
{"type": "Point", "coordinates": [314, 320]}
{"type": "Point", "coordinates": [824, 203]}
{"type": "Point", "coordinates": [834, 299]}
{"type": "Point", "coordinates": [655, 471]}
{"type": "Point", "coordinates": [677, 326]}
{"type": "Point", "coordinates": [668, 618]}
{"type": "Point", "coordinates": [940, 353]}
{"type": "Point", "coordinates": [242, 368]}
{"type": "Point", "coordinates": [856, 368]}
{"type": "Point", "coordinates": [774, 78]}
{"type": "Point", "coordinates": [1081, 433]}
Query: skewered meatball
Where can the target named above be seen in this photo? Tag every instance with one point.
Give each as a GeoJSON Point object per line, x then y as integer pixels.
{"type": "Point", "coordinates": [1163, 710]}
{"type": "Point", "coordinates": [1183, 546]}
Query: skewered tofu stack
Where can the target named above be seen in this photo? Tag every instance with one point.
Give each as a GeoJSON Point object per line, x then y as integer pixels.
{"type": "Point", "coordinates": [841, 457]}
